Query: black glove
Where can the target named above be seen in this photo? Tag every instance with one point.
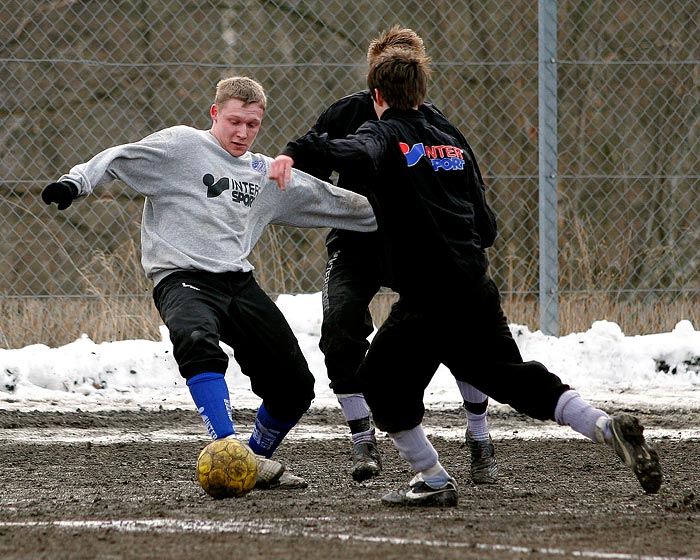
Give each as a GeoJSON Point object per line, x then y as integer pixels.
{"type": "Point", "coordinates": [62, 193]}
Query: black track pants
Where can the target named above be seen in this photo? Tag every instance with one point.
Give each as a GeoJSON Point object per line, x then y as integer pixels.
{"type": "Point", "coordinates": [201, 308]}
{"type": "Point", "coordinates": [350, 282]}
{"type": "Point", "coordinates": [472, 338]}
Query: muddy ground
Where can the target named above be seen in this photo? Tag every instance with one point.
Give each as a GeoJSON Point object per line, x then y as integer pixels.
{"type": "Point", "coordinates": [118, 485]}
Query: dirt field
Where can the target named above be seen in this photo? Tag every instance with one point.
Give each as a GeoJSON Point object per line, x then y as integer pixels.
{"type": "Point", "coordinates": [122, 485]}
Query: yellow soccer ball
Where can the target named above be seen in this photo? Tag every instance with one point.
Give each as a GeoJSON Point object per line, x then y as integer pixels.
{"type": "Point", "coordinates": [227, 468]}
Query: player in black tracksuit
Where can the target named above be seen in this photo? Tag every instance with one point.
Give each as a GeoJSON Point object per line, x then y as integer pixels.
{"type": "Point", "coordinates": [420, 181]}
{"type": "Point", "coordinates": [354, 276]}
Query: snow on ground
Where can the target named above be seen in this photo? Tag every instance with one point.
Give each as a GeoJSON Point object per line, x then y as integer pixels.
{"type": "Point", "coordinates": [602, 363]}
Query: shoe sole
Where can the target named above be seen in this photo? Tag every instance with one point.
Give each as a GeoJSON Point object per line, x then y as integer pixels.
{"type": "Point", "coordinates": [287, 481]}
{"type": "Point", "coordinates": [365, 471]}
{"type": "Point", "coordinates": [642, 459]}
{"type": "Point", "coordinates": [484, 479]}
{"type": "Point", "coordinates": [444, 499]}
{"type": "Point", "coordinates": [288, 485]}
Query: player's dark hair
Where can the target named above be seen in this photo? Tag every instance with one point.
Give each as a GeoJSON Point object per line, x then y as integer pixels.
{"type": "Point", "coordinates": [401, 76]}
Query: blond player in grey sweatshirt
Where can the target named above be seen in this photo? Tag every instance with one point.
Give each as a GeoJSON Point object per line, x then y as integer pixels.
{"type": "Point", "coordinates": [208, 199]}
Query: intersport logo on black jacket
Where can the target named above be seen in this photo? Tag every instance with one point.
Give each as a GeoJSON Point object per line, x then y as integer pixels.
{"type": "Point", "coordinates": [448, 158]}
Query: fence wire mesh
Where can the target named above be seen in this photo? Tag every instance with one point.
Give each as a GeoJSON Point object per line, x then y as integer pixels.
{"type": "Point", "coordinates": [79, 76]}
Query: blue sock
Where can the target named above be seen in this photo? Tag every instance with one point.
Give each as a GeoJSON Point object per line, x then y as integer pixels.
{"type": "Point", "coordinates": [268, 432]}
{"type": "Point", "coordinates": [210, 394]}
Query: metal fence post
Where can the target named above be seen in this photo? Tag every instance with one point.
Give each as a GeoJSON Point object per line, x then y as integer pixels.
{"type": "Point", "coordinates": [547, 139]}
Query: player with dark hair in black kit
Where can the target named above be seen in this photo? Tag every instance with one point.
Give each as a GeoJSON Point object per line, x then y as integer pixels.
{"type": "Point", "coordinates": [354, 276]}
{"type": "Point", "coordinates": [420, 183]}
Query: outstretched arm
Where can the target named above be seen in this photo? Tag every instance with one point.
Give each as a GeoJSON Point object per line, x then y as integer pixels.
{"type": "Point", "coordinates": [361, 151]}
{"type": "Point", "coordinates": [137, 164]}
{"type": "Point", "coordinates": [310, 202]}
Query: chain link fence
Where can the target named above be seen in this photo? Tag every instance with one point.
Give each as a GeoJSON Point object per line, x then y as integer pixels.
{"type": "Point", "coordinates": [79, 76]}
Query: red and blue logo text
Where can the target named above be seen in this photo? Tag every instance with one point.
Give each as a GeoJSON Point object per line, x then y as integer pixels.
{"type": "Point", "coordinates": [449, 158]}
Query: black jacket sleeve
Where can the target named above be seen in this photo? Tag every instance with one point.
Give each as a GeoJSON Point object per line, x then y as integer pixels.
{"type": "Point", "coordinates": [340, 119]}
{"type": "Point", "coordinates": [304, 160]}
{"type": "Point", "coordinates": [358, 153]}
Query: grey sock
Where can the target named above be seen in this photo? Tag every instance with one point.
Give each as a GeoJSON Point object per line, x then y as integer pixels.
{"type": "Point", "coordinates": [572, 410]}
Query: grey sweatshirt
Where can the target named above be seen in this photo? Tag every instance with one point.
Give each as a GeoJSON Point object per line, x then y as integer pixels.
{"type": "Point", "coordinates": [205, 209]}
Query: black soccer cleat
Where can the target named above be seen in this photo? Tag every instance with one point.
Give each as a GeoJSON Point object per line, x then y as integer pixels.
{"type": "Point", "coordinates": [484, 468]}
{"type": "Point", "coordinates": [366, 461]}
{"type": "Point", "coordinates": [627, 439]}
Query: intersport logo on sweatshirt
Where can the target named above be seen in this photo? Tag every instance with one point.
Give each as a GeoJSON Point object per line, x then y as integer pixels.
{"type": "Point", "coordinates": [242, 192]}
{"type": "Point", "coordinates": [449, 158]}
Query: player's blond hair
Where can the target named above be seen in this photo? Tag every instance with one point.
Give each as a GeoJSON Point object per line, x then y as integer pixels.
{"type": "Point", "coordinates": [397, 36]}
{"type": "Point", "coordinates": [240, 87]}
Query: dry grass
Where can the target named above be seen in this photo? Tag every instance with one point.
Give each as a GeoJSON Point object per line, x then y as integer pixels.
{"type": "Point", "coordinates": [56, 321]}
{"type": "Point", "coordinates": [578, 312]}
{"type": "Point", "coordinates": [59, 320]}
{"type": "Point", "coordinates": [117, 304]}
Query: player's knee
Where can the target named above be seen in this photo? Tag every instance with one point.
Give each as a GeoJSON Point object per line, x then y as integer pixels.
{"type": "Point", "coordinates": [390, 424]}
{"type": "Point", "coordinates": [293, 398]}
{"type": "Point", "coordinates": [292, 407]}
{"type": "Point", "coordinates": [346, 384]}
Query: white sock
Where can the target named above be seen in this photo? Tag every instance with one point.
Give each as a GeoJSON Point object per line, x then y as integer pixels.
{"type": "Point", "coordinates": [356, 412]}
{"type": "Point", "coordinates": [470, 393]}
{"type": "Point", "coordinates": [364, 437]}
{"type": "Point", "coordinates": [415, 448]}
{"type": "Point", "coordinates": [477, 426]}
{"type": "Point", "coordinates": [435, 476]}
{"type": "Point", "coordinates": [354, 406]}
{"type": "Point", "coordinates": [603, 432]}
{"type": "Point", "coordinates": [476, 423]}
{"type": "Point", "coordinates": [572, 410]}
